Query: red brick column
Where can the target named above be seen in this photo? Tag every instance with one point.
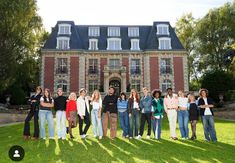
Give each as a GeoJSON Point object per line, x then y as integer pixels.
{"type": "Point", "coordinates": [154, 73]}
{"type": "Point", "coordinates": [125, 62]}
{"type": "Point", "coordinates": [103, 62]}
{"type": "Point", "coordinates": [49, 73]}
{"type": "Point", "coordinates": [178, 73]}
{"type": "Point", "coordinates": [74, 74]}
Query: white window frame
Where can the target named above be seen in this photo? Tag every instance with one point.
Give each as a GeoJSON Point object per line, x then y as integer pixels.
{"type": "Point", "coordinates": [133, 41]}
{"type": "Point", "coordinates": [163, 46]}
{"type": "Point", "coordinates": [165, 66]}
{"type": "Point", "coordinates": [61, 83]}
{"type": "Point", "coordinates": [166, 84]}
{"type": "Point", "coordinates": [62, 65]}
{"type": "Point", "coordinates": [114, 31]}
{"type": "Point", "coordinates": [61, 39]}
{"type": "Point", "coordinates": [93, 85]}
{"type": "Point", "coordinates": [90, 44]}
{"type": "Point", "coordinates": [136, 84]}
{"type": "Point", "coordinates": [63, 32]}
{"type": "Point", "coordinates": [94, 31]}
{"type": "Point", "coordinates": [133, 31]}
{"type": "Point", "coordinates": [116, 64]}
{"type": "Point", "coordinates": [161, 31]}
{"type": "Point", "coordinates": [114, 39]}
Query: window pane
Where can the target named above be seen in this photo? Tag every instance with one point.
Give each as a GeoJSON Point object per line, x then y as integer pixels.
{"type": "Point", "coordinates": [94, 31]}
{"type": "Point", "coordinates": [113, 31]}
{"type": "Point", "coordinates": [165, 66]}
{"type": "Point", "coordinates": [114, 63]}
{"type": "Point", "coordinates": [93, 66]}
{"type": "Point", "coordinates": [166, 84]}
{"type": "Point", "coordinates": [135, 84]}
{"type": "Point", "coordinates": [92, 85]}
{"type": "Point", "coordinates": [133, 32]}
{"type": "Point", "coordinates": [135, 66]}
{"type": "Point", "coordinates": [62, 84]}
{"type": "Point", "coordinates": [62, 66]}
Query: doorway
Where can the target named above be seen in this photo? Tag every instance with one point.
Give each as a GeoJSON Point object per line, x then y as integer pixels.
{"type": "Point", "coordinates": [117, 85]}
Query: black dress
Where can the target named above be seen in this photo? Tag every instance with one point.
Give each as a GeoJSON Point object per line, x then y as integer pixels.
{"type": "Point", "coordinates": [193, 112]}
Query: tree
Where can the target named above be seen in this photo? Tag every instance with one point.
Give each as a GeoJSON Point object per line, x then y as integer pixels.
{"type": "Point", "coordinates": [214, 33]}
{"type": "Point", "coordinates": [20, 32]}
{"type": "Point", "coordinates": [185, 27]}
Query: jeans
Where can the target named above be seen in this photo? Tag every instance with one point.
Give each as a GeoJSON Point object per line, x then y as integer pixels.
{"type": "Point", "coordinates": [134, 121]}
{"type": "Point", "coordinates": [46, 115]}
{"type": "Point", "coordinates": [32, 113]}
{"type": "Point", "coordinates": [96, 121]}
{"type": "Point", "coordinates": [60, 123]}
{"type": "Point", "coordinates": [209, 127]}
{"type": "Point", "coordinates": [124, 122]}
{"type": "Point", "coordinates": [172, 118]}
{"type": "Point", "coordinates": [157, 127]}
{"type": "Point", "coordinates": [183, 117]}
{"type": "Point", "coordinates": [86, 120]}
{"type": "Point", "coordinates": [145, 117]}
{"type": "Point", "coordinates": [109, 118]}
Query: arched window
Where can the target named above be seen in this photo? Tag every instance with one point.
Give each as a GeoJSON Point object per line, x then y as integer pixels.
{"type": "Point", "coordinates": [62, 84]}
{"type": "Point", "coordinates": [166, 84]}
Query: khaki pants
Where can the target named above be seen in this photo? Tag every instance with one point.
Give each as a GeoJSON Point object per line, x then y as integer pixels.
{"type": "Point", "coordinates": [112, 119]}
{"type": "Point", "coordinates": [172, 118]}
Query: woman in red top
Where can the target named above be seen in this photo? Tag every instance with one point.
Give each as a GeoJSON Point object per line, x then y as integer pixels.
{"type": "Point", "coordinates": [71, 112]}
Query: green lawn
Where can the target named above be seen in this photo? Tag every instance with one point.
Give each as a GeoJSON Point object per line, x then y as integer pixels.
{"type": "Point", "coordinates": [123, 150]}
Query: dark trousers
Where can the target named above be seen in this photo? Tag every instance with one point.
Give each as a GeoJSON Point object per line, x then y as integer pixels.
{"type": "Point", "coordinates": [32, 113]}
{"type": "Point", "coordinates": [145, 117]}
{"type": "Point", "coordinates": [86, 120]}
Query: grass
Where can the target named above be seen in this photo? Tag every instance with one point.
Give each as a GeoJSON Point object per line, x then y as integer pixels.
{"type": "Point", "coordinates": [123, 150]}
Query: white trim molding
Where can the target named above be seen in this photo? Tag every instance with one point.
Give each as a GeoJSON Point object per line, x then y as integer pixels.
{"type": "Point", "coordinates": [164, 43]}
{"type": "Point", "coordinates": [162, 29]}
{"type": "Point", "coordinates": [62, 29]}
{"type": "Point", "coordinates": [91, 42]}
{"type": "Point", "coordinates": [64, 40]}
{"type": "Point", "coordinates": [117, 43]}
{"type": "Point", "coordinates": [135, 44]}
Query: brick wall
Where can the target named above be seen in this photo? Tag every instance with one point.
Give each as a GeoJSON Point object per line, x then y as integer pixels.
{"type": "Point", "coordinates": [154, 73]}
{"type": "Point", "coordinates": [103, 62]}
{"type": "Point", "coordinates": [74, 74]}
{"type": "Point", "coordinates": [178, 73]}
{"type": "Point", "coordinates": [49, 73]}
{"type": "Point", "coordinates": [125, 62]}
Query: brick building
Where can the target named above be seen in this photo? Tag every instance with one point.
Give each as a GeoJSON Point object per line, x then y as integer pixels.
{"type": "Point", "coordinates": [126, 57]}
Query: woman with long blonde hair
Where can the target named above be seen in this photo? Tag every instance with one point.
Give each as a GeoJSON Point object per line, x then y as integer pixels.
{"type": "Point", "coordinates": [134, 113]}
{"type": "Point", "coordinates": [96, 103]}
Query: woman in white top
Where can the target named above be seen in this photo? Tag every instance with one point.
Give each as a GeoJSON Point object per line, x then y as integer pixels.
{"type": "Point", "coordinates": [96, 103]}
{"type": "Point", "coordinates": [183, 115]}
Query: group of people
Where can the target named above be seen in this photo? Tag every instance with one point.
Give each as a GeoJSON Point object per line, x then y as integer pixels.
{"type": "Point", "coordinates": [133, 112]}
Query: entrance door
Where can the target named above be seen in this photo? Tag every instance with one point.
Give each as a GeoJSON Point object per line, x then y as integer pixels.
{"type": "Point", "coordinates": [117, 85]}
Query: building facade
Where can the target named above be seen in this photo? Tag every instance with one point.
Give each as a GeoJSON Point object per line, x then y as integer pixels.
{"type": "Point", "coordinates": [126, 57]}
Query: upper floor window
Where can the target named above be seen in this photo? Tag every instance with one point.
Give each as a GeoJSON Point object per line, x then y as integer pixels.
{"type": "Point", "coordinates": [62, 84]}
{"type": "Point", "coordinates": [64, 29]}
{"type": "Point", "coordinates": [62, 43]}
{"type": "Point", "coordinates": [93, 44]}
{"type": "Point", "coordinates": [114, 44]}
{"type": "Point", "coordinates": [164, 43]}
{"type": "Point", "coordinates": [94, 31]}
{"type": "Point", "coordinates": [93, 66]}
{"type": "Point", "coordinates": [114, 63]}
{"type": "Point", "coordinates": [166, 84]}
{"type": "Point", "coordinates": [114, 31]}
{"type": "Point", "coordinates": [133, 32]}
{"type": "Point", "coordinates": [162, 29]}
{"type": "Point", "coordinates": [62, 66]}
{"type": "Point", "coordinates": [135, 44]}
{"type": "Point", "coordinates": [165, 66]}
{"type": "Point", "coordinates": [135, 66]}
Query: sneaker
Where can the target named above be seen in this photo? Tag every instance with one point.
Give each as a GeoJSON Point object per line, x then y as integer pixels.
{"type": "Point", "coordinates": [100, 137]}
{"type": "Point", "coordinates": [82, 136]}
{"type": "Point", "coordinates": [130, 137]}
{"type": "Point", "coordinates": [95, 136]}
{"type": "Point", "coordinates": [52, 138]}
{"type": "Point", "coordinates": [44, 138]}
{"type": "Point", "coordinates": [147, 137]}
{"type": "Point", "coordinates": [85, 135]}
{"type": "Point", "coordinates": [183, 138]}
{"type": "Point", "coordinates": [67, 130]}
{"type": "Point", "coordinates": [63, 138]}
{"type": "Point", "coordinates": [127, 136]}
{"type": "Point", "coordinates": [59, 137]}
{"type": "Point", "coordinates": [138, 137]}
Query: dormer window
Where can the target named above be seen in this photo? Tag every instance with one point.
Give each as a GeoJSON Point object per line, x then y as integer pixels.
{"type": "Point", "coordinates": [135, 44]}
{"type": "Point", "coordinates": [94, 31]}
{"type": "Point", "coordinates": [114, 31]}
{"type": "Point", "coordinates": [133, 32]}
{"type": "Point", "coordinates": [64, 29]}
{"type": "Point", "coordinates": [164, 43]}
{"type": "Point", "coordinates": [114, 44]}
{"type": "Point", "coordinates": [162, 29]}
{"type": "Point", "coordinates": [93, 44]}
{"type": "Point", "coordinates": [62, 43]}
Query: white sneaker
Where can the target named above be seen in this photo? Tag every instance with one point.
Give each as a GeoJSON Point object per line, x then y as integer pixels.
{"type": "Point", "coordinates": [44, 138]}
{"type": "Point", "coordinates": [130, 137]}
{"type": "Point", "coordinates": [52, 138]}
{"type": "Point", "coordinates": [59, 137]}
{"type": "Point", "coordinates": [82, 136]}
{"type": "Point", "coordinates": [147, 137]}
{"type": "Point", "coordinates": [85, 135]}
{"type": "Point", "coordinates": [100, 137]}
{"type": "Point", "coordinates": [138, 137]}
{"type": "Point", "coordinates": [95, 136]}
{"type": "Point", "coordinates": [183, 139]}
{"type": "Point", "coordinates": [63, 138]}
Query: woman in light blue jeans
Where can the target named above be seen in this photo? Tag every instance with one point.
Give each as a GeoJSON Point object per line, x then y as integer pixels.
{"type": "Point", "coordinates": [45, 114]}
{"type": "Point", "coordinates": [96, 103]}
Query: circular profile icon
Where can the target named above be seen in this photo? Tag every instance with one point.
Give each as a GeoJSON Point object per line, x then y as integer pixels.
{"type": "Point", "coordinates": [16, 153]}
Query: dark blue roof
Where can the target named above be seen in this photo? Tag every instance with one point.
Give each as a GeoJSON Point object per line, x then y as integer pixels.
{"type": "Point", "coordinates": [79, 39]}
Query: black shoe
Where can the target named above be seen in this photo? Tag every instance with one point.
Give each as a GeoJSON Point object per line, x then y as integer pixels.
{"type": "Point", "coordinates": [71, 137]}
{"type": "Point", "coordinates": [67, 130]}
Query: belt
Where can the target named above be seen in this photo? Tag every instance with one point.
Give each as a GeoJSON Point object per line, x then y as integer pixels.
{"type": "Point", "coordinates": [171, 109]}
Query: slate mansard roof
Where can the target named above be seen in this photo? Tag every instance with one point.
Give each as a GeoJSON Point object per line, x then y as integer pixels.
{"type": "Point", "coordinates": [79, 39]}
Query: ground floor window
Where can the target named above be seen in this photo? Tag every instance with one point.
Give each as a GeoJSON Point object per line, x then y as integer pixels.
{"type": "Point", "coordinates": [93, 85]}
{"type": "Point", "coordinates": [135, 84]}
{"type": "Point", "coordinates": [166, 84]}
{"type": "Point", "coordinates": [62, 84]}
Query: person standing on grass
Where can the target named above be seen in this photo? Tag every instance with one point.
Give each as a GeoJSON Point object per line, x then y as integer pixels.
{"type": "Point", "coordinates": [96, 103]}
{"type": "Point", "coordinates": [183, 115]}
{"type": "Point", "coordinates": [122, 106]}
{"type": "Point", "coordinates": [83, 110]}
{"type": "Point", "coordinates": [110, 113]}
{"type": "Point", "coordinates": [157, 113]}
{"type": "Point", "coordinates": [71, 113]}
{"type": "Point", "coordinates": [34, 109]}
{"type": "Point", "coordinates": [134, 113]}
{"type": "Point", "coordinates": [206, 106]}
{"type": "Point", "coordinates": [171, 106]}
{"type": "Point", "coordinates": [60, 107]}
{"type": "Point", "coordinates": [45, 114]}
{"type": "Point", "coordinates": [146, 113]}
{"type": "Point", "coordinates": [193, 115]}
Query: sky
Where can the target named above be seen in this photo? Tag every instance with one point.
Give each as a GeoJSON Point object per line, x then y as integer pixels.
{"type": "Point", "coordinates": [121, 12]}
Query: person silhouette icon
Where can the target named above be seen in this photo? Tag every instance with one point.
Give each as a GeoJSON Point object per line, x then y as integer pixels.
{"type": "Point", "coordinates": [16, 154]}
